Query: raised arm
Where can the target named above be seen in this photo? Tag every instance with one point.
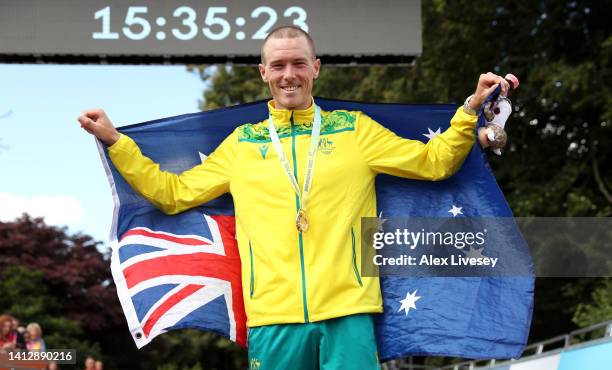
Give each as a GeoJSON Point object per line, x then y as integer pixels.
{"type": "Point", "coordinates": [385, 152]}
{"type": "Point", "coordinates": [169, 192]}
{"type": "Point", "coordinates": [438, 159]}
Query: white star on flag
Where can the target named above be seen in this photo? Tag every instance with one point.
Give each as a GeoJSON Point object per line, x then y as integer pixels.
{"type": "Point", "coordinates": [379, 222]}
{"type": "Point", "coordinates": [408, 302]}
{"type": "Point", "coordinates": [455, 210]}
{"type": "Point", "coordinates": [202, 156]}
{"type": "Point", "coordinates": [432, 134]}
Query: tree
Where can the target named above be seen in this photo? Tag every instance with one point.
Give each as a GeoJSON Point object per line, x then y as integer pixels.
{"type": "Point", "coordinates": [193, 349]}
{"type": "Point", "coordinates": [25, 295]}
{"type": "Point", "coordinates": [599, 309]}
{"type": "Point", "coordinates": [71, 265]}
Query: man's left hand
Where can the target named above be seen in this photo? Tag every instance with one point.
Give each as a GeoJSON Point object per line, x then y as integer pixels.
{"type": "Point", "coordinates": [486, 85]}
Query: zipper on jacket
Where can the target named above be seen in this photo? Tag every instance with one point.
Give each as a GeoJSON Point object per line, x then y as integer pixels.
{"type": "Point", "coordinates": [355, 257]}
{"type": "Point", "coordinates": [297, 208]}
{"type": "Point", "coordinates": [252, 287]}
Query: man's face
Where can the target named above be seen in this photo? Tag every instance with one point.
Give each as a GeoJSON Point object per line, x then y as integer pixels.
{"type": "Point", "coordinates": [290, 69]}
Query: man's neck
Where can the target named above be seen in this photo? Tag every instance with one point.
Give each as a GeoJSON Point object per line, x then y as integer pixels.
{"type": "Point", "coordinates": [302, 107]}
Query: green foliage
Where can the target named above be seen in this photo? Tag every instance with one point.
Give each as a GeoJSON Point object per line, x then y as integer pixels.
{"type": "Point", "coordinates": [173, 366]}
{"type": "Point", "coordinates": [23, 293]}
{"type": "Point", "coordinates": [193, 349]}
{"type": "Point", "coordinates": [73, 270]}
{"type": "Point", "coordinates": [26, 296]}
{"type": "Point", "coordinates": [599, 309]}
{"type": "Point", "coordinates": [231, 85]}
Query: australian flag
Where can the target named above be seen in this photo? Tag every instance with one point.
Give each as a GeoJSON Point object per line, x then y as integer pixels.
{"type": "Point", "coordinates": [183, 271]}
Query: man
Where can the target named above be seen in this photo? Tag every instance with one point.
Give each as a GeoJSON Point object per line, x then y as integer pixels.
{"type": "Point", "coordinates": [297, 224]}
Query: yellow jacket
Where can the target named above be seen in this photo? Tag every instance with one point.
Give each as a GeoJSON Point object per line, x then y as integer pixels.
{"type": "Point", "coordinates": [287, 276]}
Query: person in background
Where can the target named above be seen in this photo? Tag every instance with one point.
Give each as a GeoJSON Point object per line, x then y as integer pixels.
{"type": "Point", "coordinates": [99, 365]}
{"type": "Point", "coordinates": [35, 342]}
{"type": "Point", "coordinates": [89, 363]}
{"type": "Point", "coordinates": [8, 337]}
{"type": "Point", "coordinates": [20, 341]}
{"type": "Point", "coordinates": [53, 366]}
{"type": "Point", "coordinates": [26, 335]}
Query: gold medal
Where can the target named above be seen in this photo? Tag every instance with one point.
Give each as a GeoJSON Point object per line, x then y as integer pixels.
{"type": "Point", "coordinates": [301, 222]}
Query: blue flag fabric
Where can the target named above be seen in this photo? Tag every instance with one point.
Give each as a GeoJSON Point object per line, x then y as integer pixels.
{"type": "Point", "coordinates": [474, 317]}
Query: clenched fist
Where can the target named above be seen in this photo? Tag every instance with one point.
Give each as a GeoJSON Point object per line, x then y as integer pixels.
{"type": "Point", "coordinates": [97, 123]}
{"type": "Point", "coordinates": [486, 84]}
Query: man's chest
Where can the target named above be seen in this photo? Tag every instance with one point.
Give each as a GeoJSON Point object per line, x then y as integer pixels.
{"type": "Point", "coordinates": [337, 162]}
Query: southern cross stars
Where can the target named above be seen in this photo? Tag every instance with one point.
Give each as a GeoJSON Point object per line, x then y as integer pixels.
{"type": "Point", "coordinates": [408, 302]}
{"type": "Point", "coordinates": [456, 210]}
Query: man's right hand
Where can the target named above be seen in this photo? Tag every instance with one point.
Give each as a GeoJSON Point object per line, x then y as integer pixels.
{"type": "Point", "coordinates": [97, 123]}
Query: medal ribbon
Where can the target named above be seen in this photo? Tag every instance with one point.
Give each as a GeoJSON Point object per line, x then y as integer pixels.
{"type": "Point", "coordinates": [314, 144]}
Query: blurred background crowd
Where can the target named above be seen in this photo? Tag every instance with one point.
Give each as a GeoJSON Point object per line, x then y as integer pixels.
{"type": "Point", "coordinates": [17, 338]}
{"type": "Point", "coordinates": [14, 336]}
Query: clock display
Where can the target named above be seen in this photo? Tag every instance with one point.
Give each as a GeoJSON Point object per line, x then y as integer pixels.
{"type": "Point", "coordinates": [216, 23]}
{"type": "Point", "coordinates": [204, 31]}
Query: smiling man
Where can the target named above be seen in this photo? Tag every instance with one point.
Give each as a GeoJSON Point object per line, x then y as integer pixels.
{"type": "Point", "coordinates": [297, 224]}
{"type": "Point", "coordinates": [289, 66]}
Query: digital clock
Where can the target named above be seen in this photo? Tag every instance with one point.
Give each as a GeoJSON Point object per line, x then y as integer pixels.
{"type": "Point", "coordinates": [217, 27]}
{"type": "Point", "coordinates": [198, 31]}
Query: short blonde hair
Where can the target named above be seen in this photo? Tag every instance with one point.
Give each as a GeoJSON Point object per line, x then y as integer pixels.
{"type": "Point", "coordinates": [35, 326]}
{"type": "Point", "coordinates": [288, 32]}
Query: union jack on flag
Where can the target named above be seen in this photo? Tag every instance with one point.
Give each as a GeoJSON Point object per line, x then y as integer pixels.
{"type": "Point", "coordinates": [168, 281]}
